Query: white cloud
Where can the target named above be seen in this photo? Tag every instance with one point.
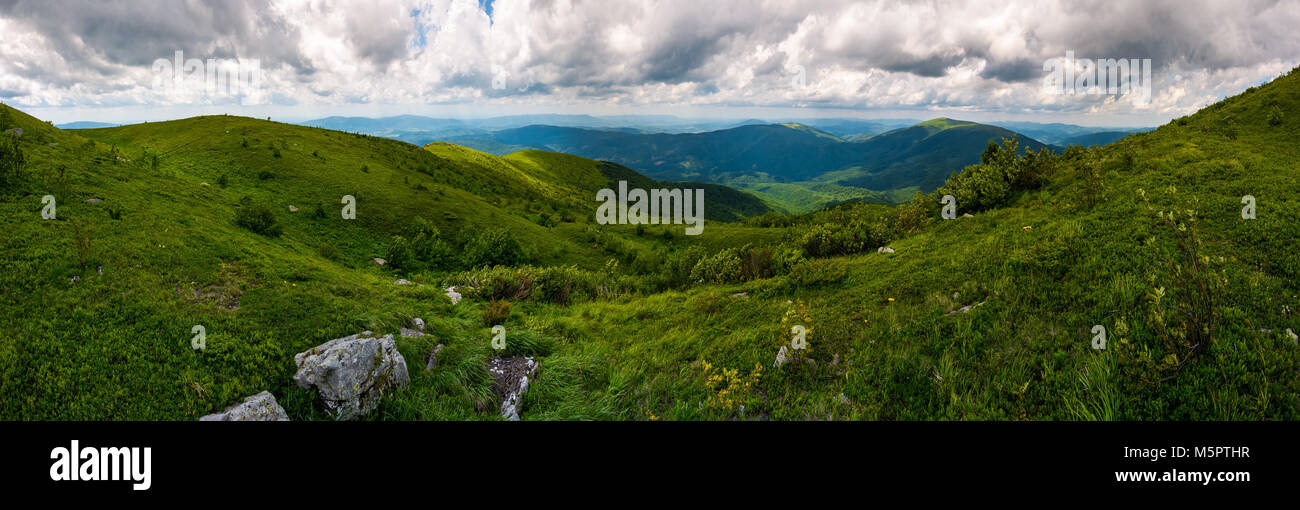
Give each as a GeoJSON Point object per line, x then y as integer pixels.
{"type": "Point", "coordinates": [943, 55]}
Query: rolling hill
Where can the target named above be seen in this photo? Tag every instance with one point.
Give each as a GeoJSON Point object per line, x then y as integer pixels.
{"type": "Point", "coordinates": [814, 167]}
{"type": "Point", "coordinates": [994, 316]}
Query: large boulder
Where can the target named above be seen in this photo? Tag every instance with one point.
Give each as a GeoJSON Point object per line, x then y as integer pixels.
{"type": "Point", "coordinates": [259, 407]}
{"type": "Point", "coordinates": [352, 374]}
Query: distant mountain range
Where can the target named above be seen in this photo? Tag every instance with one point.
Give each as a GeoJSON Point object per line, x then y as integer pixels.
{"type": "Point", "coordinates": [421, 130]}
{"type": "Point", "coordinates": [884, 167]}
{"type": "Point", "coordinates": [84, 125]}
{"type": "Point", "coordinates": [1069, 134]}
{"type": "Point", "coordinates": [794, 166]}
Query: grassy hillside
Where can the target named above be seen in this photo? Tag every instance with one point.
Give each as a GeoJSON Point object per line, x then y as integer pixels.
{"type": "Point", "coordinates": [990, 316]}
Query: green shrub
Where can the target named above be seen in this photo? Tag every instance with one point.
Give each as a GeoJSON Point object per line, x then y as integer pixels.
{"type": "Point", "coordinates": [725, 266]}
{"type": "Point", "coordinates": [399, 255]}
{"type": "Point", "coordinates": [258, 218]}
{"type": "Point", "coordinates": [914, 215]}
{"type": "Point", "coordinates": [496, 313]}
{"type": "Point", "coordinates": [12, 161]}
{"type": "Point", "coordinates": [1001, 172]}
{"type": "Point", "coordinates": [1275, 116]}
{"type": "Point", "coordinates": [493, 247]}
{"type": "Point", "coordinates": [756, 263]}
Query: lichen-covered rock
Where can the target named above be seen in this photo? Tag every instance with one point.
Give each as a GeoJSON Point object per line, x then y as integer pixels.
{"type": "Point", "coordinates": [352, 374]}
{"type": "Point", "coordinates": [512, 374]}
{"type": "Point", "coordinates": [416, 330]}
{"type": "Point", "coordinates": [453, 295]}
{"type": "Point", "coordinates": [259, 407]}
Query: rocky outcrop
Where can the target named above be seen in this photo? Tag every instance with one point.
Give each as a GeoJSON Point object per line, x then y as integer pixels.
{"type": "Point", "coordinates": [259, 407]}
{"type": "Point", "coordinates": [512, 374]}
{"type": "Point", "coordinates": [352, 374]}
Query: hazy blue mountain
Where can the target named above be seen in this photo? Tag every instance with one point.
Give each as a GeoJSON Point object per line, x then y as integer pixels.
{"type": "Point", "coordinates": [1060, 134]}
{"type": "Point", "coordinates": [921, 155]}
{"type": "Point", "coordinates": [84, 125]}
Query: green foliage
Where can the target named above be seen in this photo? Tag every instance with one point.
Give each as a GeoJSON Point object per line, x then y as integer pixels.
{"type": "Point", "coordinates": [914, 216]}
{"type": "Point", "coordinates": [982, 318]}
{"type": "Point", "coordinates": [12, 160]}
{"type": "Point", "coordinates": [496, 313]}
{"type": "Point", "coordinates": [725, 266]}
{"type": "Point", "coordinates": [1185, 314]}
{"type": "Point", "coordinates": [493, 247]}
{"type": "Point", "coordinates": [259, 218]}
{"type": "Point", "coordinates": [421, 249]}
{"type": "Point", "coordinates": [1275, 116]}
{"type": "Point", "coordinates": [1002, 171]}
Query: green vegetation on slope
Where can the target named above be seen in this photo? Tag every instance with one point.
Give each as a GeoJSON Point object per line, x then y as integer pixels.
{"type": "Point", "coordinates": [984, 317]}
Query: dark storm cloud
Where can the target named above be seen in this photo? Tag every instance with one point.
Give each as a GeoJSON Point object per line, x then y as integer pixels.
{"type": "Point", "coordinates": [969, 54]}
{"type": "Point", "coordinates": [101, 35]}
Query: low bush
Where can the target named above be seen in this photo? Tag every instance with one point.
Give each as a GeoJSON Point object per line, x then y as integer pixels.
{"type": "Point", "coordinates": [258, 218]}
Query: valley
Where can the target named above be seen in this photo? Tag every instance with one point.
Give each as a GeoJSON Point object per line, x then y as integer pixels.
{"type": "Point", "coordinates": [233, 223]}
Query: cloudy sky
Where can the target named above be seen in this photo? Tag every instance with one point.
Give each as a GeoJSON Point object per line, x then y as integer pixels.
{"type": "Point", "coordinates": [978, 60]}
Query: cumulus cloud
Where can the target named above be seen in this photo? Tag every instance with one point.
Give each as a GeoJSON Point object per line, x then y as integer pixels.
{"type": "Point", "coordinates": [942, 54]}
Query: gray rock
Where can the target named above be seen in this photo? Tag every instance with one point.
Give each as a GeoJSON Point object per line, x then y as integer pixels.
{"type": "Point", "coordinates": [967, 308]}
{"type": "Point", "coordinates": [433, 357]}
{"type": "Point", "coordinates": [453, 295]}
{"type": "Point", "coordinates": [741, 295]}
{"type": "Point", "coordinates": [1295, 339]}
{"type": "Point", "coordinates": [512, 374]}
{"type": "Point", "coordinates": [352, 374]}
{"type": "Point", "coordinates": [379, 262]}
{"type": "Point", "coordinates": [15, 132]}
{"type": "Point", "coordinates": [259, 407]}
{"type": "Point", "coordinates": [884, 249]}
{"type": "Point", "coordinates": [292, 208]}
{"type": "Point", "coordinates": [416, 330]}
{"type": "Point", "coordinates": [402, 281]}
{"type": "Point", "coordinates": [94, 200]}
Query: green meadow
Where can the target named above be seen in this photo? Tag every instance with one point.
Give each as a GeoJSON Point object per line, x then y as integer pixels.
{"type": "Point", "coordinates": [235, 224]}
